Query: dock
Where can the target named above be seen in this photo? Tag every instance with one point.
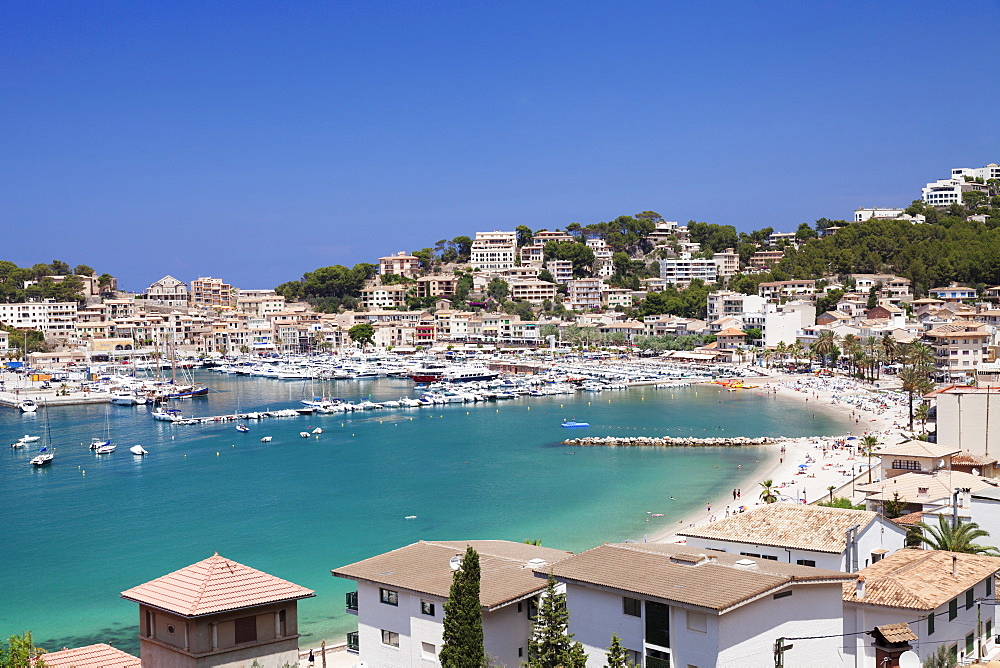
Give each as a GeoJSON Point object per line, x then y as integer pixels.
{"type": "Point", "coordinates": [671, 442]}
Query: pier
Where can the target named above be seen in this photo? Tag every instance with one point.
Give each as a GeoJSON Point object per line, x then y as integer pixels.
{"type": "Point", "coordinates": [671, 442]}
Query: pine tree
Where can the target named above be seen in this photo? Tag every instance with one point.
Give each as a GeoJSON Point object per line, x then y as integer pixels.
{"type": "Point", "coordinates": [551, 643]}
{"type": "Point", "coordinates": [463, 618]}
{"type": "Point", "coordinates": [617, 657]}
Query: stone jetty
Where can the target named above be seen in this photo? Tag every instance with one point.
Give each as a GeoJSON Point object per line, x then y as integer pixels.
{"type": "Point", "coordinates": [671, 442]}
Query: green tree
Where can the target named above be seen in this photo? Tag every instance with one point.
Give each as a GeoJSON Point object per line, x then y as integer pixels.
{"type": "Point", "coordinates": [868, 445]}
{"type": "Point", "coordinates": [524, 235]}
{"type": "Point", "coordinates": [580, 254]}
{"type": "Point", "coordinates": [551, 643]}
{"type": "Point", "coordinates": [956, 538]}
{"type": "Point", "coordinates": [617, 657]}
{"type": "Point", "coordinates": [768, 493]}
{"type": "Point", "coordinates": [83, 270]}
{"type": "Point", "coordinates": [19, 651]}
{"type": "Point", "coordinates": [942, 658]}
{"type": "Point", "coordinates": [841, 502]}
{"type": "Point", "coordinates": [463, 248]}
{"type": "Point", "coordinates": [546, 275]}
{"type": "Point", "coordinates": [498, 289]}
{"type": "Point", "coordinates": [462, 645]}
{"type": "Point", "coordinates": [363, 333]}
{"type": "Point", "coordinates": [894, 507]}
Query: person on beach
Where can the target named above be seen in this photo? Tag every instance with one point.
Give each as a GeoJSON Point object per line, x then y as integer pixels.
{"type": "Point", "coordinates": [312, 659]}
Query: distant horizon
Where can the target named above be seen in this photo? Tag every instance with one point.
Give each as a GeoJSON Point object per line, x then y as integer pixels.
{"type": "Point", "coordinates": [255, 143]}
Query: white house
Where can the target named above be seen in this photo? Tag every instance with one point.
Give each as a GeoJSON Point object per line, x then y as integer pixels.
{"type": "Point", "coordinates": [935, 592]}
{"type": "Point", "coordinates": [168, 291]}
{"type": "Point", "coordinates": [673, 605]}
{"type": "Point", "coordinates": [401, 595]}
{"type": "Point", "coordinates": [834, 538]}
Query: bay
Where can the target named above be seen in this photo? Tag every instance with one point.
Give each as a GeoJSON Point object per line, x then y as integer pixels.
{"type": "Point", "coordinates": [77, 533]}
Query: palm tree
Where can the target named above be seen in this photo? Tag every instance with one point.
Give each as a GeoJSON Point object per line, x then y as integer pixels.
{"type": "Point", "coordinates": [768, 493]}
{"type": "Point", "coordinates": [957, 538]}
{"type": "Point", "coordinates": [868, 444]}
{"type": "Point", "coordinates": [830, 489]}
{"type": "Point", "coordinates": [825, 344]}
{"type": "Point", "coordinates": [921, 413]}
{"type": "Point", "coordinates": [781, 350]}
{"type": "Point", "coordinates": [890, 347]}
{"type": "Point", "coordinates": [919, 356]}
{"type": "Point", "coordinates": [914, 381]}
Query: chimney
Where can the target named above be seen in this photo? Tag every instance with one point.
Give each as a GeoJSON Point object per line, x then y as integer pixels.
{"type": "Point", "coordinates": [859, 590]}
{"type": "Point", "coordinates": [954, 566]}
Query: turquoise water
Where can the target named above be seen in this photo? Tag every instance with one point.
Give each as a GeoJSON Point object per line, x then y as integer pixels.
{"type": "Point", "coordinates": [77, 533]}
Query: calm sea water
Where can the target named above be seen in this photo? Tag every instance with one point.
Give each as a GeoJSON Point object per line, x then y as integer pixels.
{"type": "Point", "coordinates": [77, 533]}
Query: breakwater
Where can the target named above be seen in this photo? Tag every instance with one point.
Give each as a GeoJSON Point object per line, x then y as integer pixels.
{"type": "Point", "coordinates": [670, 442]}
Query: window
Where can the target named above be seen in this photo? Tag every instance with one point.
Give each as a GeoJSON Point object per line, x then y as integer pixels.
{"type": "Point", "coordinates": [805, 562]}
{"type": "Point", "coordinates": [282, 619]}
{"type": "Point", "coordinates": [428, 651]}
{"type": "Point", "coordinates": [246, 629]}
{"type": "Point", "coordinates": [970, 643]}
{"type": "Point", "coordinates": [969, 598]}
{"type": "Point", "coordinates": [989, 586]}
{"type": "Point", "coordinates": [634, 657]}
{"type": "Point", "coordinates": [930, 624]}
{"type": "Point", "coordinates": [388, 596]}
{"type": "Point", "coordinates": [427, 608]}
{"type": "Point", "coordinates": [782, 594]}
{"type": "Point", "coordinates": [390, 638]}
{"type": "Point", "coordinates": [632, 606]}
{"type": "Point", "coordinates": [952, 609]}
{"type": "Point", "coordinates": [989, 630]}
{"type": "Point", "coordinates": [697, 621]}
{"type": "Point", "coordinates": [657, 624]}
{"type": "Point", "coordinates": [906, 464]}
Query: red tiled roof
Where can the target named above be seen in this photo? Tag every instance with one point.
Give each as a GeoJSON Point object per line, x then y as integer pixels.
{"type": "Point", "coordinates": [91, 656]}
{"type": "Point", "coordinates": [213, 585]}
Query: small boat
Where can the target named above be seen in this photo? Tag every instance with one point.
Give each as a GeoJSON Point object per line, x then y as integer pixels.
{"type": "Point", "coordinates": [266, 439]}
{"type": "Point", "coordinates": [410, 517]}
{"type": "Point", "coordinates": [138, 450]}
{"type": "Point", "coordinates": [28, 406]}
{"type": "Point", "coordinates": [29, 439]}
{"type": "Point", "coordinates": [167, 415]}
{"type": "Point", "coordinates": [243, 428]}
{"type": "Point", "coordinates": [105, 449]}
{"type": "Point", "coordinates": [570, 424]}
{"type": "Point", "coordinates": [96, 443]}
{"type": "Point", "coordinates": [304, 434]}
{"type": "Point", "coordinates": [44, 457]}
{"type": "Point", "coordinates": [317, 430]}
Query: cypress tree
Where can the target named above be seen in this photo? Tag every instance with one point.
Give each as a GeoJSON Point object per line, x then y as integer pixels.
{"type": "Point", "coordinates": [617, 658]}
{"type": "Point", "coordinates": [551, 643]}
{"type": "Point", "coordinates": [463, 618]}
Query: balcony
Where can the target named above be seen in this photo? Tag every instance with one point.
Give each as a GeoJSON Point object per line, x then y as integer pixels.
{"type": "Point", "coordinates": [352, 641]}
{"type": "Point", "coordinates": [352, 602]}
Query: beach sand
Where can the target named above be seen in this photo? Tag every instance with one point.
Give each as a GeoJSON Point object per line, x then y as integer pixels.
{"type": "Point", "coordinates": [868, 411]}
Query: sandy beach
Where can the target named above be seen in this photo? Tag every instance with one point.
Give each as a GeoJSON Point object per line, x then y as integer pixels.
{"type": "Point", "coordinates": [803, 469]}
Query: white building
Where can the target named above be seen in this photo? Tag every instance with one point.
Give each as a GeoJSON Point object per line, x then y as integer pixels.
{"type": "Point", "coordinates": [603, 266]}
{"type": "Point", "coordinates": [835, 538]}
{"type": "Point", "coordinates": [673, 605]}
{"type": "Point", "coordinates": [561, 270]}
{"type": "Point", "coordinates": [400, 264]}
{"type": "Point", "coordinates": [401, 595]}
{"type": "Point", "coordinates": [934, 592]}
{"type": "Point", "coordinates": [584, 294]}
{"type": "Point", "coordinates": [52, 318]}
{"type": "Point", "coordinates": [723, 303]}
{"type": "Point", "coordinates": [861, 215]}
{"type": "Point", "coordinates": [684, 270]}
{"type": "Point", "coordinates": [168, 291]}
{"type": "Point", "coordinates": [492, 251]}
{"type": "Point", "coordinates": [949, 191]}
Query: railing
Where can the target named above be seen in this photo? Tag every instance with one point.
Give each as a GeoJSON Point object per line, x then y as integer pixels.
{"type": "Point", "coordinates": [352, 600]}
{"type": "Point", "coordinates": [653, 662]}
{"type": "Point", "coordinates": [352, 641]}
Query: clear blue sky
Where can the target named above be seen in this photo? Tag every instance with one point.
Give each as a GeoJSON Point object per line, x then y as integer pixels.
{"type": "Point", "coordinates": [255, 141]}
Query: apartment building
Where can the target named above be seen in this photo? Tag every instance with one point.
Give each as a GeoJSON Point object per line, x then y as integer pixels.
{"type": "Point", "coordinates": [959, 348]}
{"type": "Point", "coordinates": [259, 306]}
{"type": "Point", "coordinates": [723, 303]}
{"type": "Point", "coordinates": [603, 266]}
{"type": "Point", "coordinates": [684, 270]}
{"type": "Point", "coordinates": [950, 191]}
{"type": "Point", "coordinates": [764, 259]}
{"type": "Point", "coordinates": [437, 285]}
{"type": "Point", "coordinates": [675, 605]}
{"type": "Point", "coordinates": [584, 294]}
{"type": "Point", "coordinates": [728, 262]}
{"type": "Point", "coordinates": [52, 318]}
{"type": "Point", "coordinates": [400, 599]}
{"type": "Point", "coordinates": [384, 296]}
{"type": "Point", "coordinates": [208, 292]}
{"type": "Point", "coordinates": [492, 251]}
{"type": "Point", "coordinates": [775, 290]}
{"type": "Point", "coordinates": [561, 270]}
{"type": "Point", "coordinates": [168, 291]}
{"type": "Point", "coordinates": [532, 290]}
{"type": "Point", "coordinates": [401, 264]}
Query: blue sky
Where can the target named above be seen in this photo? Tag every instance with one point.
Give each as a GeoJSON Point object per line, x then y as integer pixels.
{"type": "Point", "coordinates": [255, 141]}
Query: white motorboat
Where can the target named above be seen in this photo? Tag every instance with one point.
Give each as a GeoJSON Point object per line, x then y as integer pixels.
{"type": "Point", "coordinates": [29, 439]}
{"type": "Point", "coordinates": [138, 450]}
{"type": "Point", "coordinates": [167, 414]}
{"type": "Point", "coordinates": [317, 430]}
{"type": "Point", "coordinates": [28, 406]}
{"type": "Point", "coordinates": [266, 439]}
{"type": "Point", "coordinates": [105, 449]}
{"type": "Point", "coordinates": [304, 434]}
{"type": "Point", "coordinates": [243, 428]}
{"type": "Point", "coordinates": [123, 399]}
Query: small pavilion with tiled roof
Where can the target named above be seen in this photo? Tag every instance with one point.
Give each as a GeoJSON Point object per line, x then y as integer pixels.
{"type": "Point", "coordinates": [100, 655]}
{"type": "Point", "coordinates": [215, 612]}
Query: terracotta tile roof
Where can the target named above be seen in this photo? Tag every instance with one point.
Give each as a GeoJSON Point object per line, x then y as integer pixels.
{"type": "Point", "coordinates": [920, 579]}
{"type": "Point", "coordinates": [423, 567]}
{"type": "Point", "coordinates": [706, 578]}
{"type": "Point", "coordinates": [912, 519]}
{"type": "Point", "coordinates": [731, 331]}
{"type": "Point", "coordinates": [897, 632]}
{"type": "Point", "coordinates": [915, 448]}
{"type": "Point", "coordinates": [91, 656]}
{"type": "Point", "coordinates": [789, 525]}
{"type": "Point", "coordinates": [972, 459]}
{"type": "Point", "coordinates": [939, 485]}
{"type": "Point", "coordinates": [213, 585]}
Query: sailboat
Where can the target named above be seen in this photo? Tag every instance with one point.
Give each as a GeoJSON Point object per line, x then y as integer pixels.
{"type": "Point", "coordinates": [96, 443]}
{"type": "Point", "coordinates": [46, 454]}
